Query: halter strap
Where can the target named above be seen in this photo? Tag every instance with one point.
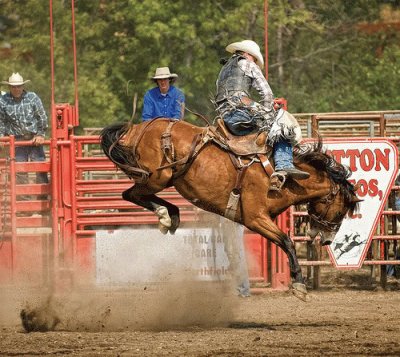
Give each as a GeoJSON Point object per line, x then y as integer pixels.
{"type": "Point", "coordinates": [328, 199]}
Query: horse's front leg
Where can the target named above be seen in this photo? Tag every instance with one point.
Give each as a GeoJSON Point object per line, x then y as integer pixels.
{"type": "Point", "coordinates": [299, 288]}
{"type": "Point", "coordinates": [168, 214]}
{"type": "Point", "coordinates": [269, 230]}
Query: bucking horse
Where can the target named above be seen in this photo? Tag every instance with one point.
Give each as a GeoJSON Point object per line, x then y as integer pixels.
{"type": "Point", "coordinates": [229, 176]}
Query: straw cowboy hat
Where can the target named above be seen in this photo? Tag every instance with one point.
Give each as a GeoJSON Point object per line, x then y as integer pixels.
{"type": "Point", "coordinates": [163, 73]}
{"type": "Point", "coordinates": [247, 46]}
{"type": "Point", "coordinates": [15, 80]}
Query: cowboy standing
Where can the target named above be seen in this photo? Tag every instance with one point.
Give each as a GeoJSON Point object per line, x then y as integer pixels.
{"type": "Point", "coordinates": [165, 100]}
{"type": "Point", "coordinates": [22, 115]}
{"type": "Point", "coordinates": [242, 115]}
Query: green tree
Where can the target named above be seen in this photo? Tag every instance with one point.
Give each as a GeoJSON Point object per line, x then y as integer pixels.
{"type": "Point", "coordinates": [334, 55]}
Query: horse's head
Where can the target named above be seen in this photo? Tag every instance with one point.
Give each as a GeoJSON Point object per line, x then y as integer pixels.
{"type": "Point", "coordinates": [338, 198]}
{"type": "Point", "coordinates": [327, 212]}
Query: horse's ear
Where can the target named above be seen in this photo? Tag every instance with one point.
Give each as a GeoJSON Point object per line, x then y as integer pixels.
{"type": "Point", "coordinates": [356, 187]}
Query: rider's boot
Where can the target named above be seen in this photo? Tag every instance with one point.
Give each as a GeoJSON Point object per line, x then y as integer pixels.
{"type": "Point", "coordinates": [283, 157]}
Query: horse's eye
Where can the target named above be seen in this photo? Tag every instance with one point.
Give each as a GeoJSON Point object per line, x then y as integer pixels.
{"type": "Point", "coordinates": [338, 215]}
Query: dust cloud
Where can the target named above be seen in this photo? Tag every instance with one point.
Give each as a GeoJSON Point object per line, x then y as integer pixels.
{"type": "Point", "coordinates": [145, 282]}
{"type": "Point", "coordinates": [155, 307]}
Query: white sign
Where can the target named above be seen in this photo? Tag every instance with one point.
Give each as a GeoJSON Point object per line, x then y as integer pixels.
{"type": "Point", "coordinates": [146, 255]}
{"type": "Point", "coordinates": [374, 165]}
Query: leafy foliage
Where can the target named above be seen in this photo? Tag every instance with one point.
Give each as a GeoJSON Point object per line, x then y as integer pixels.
{"type": "Point", "coordinates": [334, 55]}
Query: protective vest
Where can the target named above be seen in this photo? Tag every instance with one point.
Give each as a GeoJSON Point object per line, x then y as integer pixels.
{"type": "Point", "coordinates": [232, 79]}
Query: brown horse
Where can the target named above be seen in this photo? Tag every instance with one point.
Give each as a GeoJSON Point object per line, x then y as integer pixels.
{"type": "Point", "coordinates": [157, 154]}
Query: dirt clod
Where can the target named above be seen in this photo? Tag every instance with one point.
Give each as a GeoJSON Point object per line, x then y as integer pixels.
{"type": "Point", "coordinates": [41, 319]}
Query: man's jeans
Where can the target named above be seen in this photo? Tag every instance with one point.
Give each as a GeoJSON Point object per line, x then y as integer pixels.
{"type": "Point", "coordinates": [240, 122]}
{"type": "Point", "coordinates": [283, 155]}
{"type": "Point", "coordinates": [30, 153]}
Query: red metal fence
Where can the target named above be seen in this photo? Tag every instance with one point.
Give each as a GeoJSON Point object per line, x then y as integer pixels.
{"type": "Point", "coordinates": [46, 239]}
{"type": "Point", "coordinates": [85, 190]}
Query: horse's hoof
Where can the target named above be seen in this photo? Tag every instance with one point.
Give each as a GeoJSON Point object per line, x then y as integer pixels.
{"type": "Point", "coordinates": [163, 229]}
{"type": "Point", "coordinates": [300, 291]}
{"type": "Point", "coordinates": [174, 225]}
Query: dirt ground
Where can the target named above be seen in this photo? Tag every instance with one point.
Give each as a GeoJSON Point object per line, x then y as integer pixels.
{"type": "Point", "coordinates": [206, 319]}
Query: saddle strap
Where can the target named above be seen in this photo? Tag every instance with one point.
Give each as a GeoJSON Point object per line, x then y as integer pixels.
{"type": "Point", "coordinates": [241, 169]}
{"type": "Point", "coordinates": [266, 164]}
{"type": "Point", "coordinates": [197, 145]}
{"type": "Point", "coordinates": [136, 173]}
{"type": "Point", "coordinates": [199, 141]}
{"type": "Point", "coordinates": [139, 137]}
{"type": "Point", "coordinates": [234, 197]}
{"type": "Point", "coordinates": [166, 143]}
{"type": "Point", "coordinates": [231, 207]}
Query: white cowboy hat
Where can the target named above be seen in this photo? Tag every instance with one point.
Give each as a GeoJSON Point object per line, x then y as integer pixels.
{"type": "Point", "coordinates": [247, 46]}
{"type": "Point", "coordinates": [163, 72]}
{"type": "Point", "coordinates": [15, 80]}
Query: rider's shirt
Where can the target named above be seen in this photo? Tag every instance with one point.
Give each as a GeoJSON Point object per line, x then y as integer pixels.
{"type": "Point", "coordinates": [239, 75]}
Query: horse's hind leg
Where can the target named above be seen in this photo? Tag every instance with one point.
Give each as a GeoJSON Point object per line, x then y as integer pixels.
{"type": "Point", "coordinates": [267, 228]}
{"type": "Point", "coordinates": [168, 214]}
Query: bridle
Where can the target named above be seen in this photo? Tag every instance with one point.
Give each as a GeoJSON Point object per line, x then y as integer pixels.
{"type": "Point", "coordinates": [328, 200]}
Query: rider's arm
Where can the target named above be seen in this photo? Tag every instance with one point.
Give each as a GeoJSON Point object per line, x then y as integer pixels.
{"type": "Point", "coordinates": [259, 82]}
{"type": "Point", "coordinates": [262, 87]}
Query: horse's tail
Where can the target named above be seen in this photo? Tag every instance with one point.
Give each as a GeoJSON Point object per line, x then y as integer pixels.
{"type": "Point", "coordinates": [121, 155]}
{"type": "Point", "coordinates": [110, 143]}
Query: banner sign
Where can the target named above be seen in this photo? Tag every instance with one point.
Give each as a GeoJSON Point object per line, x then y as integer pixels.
{"type": "Point", "coordinates": [374, 166]}
{"type": "Point", "coordinates": [134, 255]}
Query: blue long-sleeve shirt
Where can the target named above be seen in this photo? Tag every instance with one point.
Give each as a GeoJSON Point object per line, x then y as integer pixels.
{"type": "Point", "coordinates": [167, 106]}
{"type": "Point", "coordinates": [22, 116]}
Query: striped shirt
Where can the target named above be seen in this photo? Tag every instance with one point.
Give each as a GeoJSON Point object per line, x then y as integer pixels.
{"type": "Point", "coordinates": [258, 82]}
{"type": "Point", "coordinates": [22, 116]}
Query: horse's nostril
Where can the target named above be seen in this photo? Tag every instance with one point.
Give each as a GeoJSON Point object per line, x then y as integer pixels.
{"type": "Point", "coordinates": [326, 242]}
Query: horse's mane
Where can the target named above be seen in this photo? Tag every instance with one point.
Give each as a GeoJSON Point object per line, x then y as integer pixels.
{"type": "Point", "coordinates": [316, 156]}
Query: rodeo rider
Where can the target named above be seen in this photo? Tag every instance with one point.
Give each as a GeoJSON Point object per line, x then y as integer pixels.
{"type": "Point", "coordinates": [242, 115]}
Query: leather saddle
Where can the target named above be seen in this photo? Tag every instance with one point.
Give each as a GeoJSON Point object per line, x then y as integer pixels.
{"type": "Point", "coordinates": [245, 145]}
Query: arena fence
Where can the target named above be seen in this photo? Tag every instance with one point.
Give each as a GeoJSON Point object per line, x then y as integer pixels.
{"type": "Point", "coordinates": [49, 235]}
